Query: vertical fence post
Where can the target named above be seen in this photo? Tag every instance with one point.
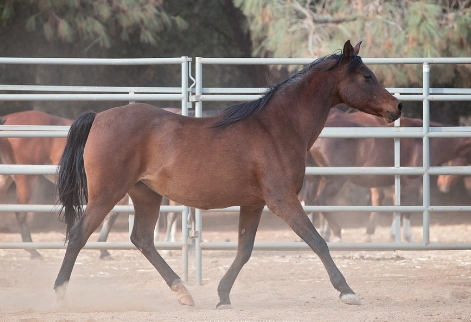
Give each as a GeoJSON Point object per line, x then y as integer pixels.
{"type": "Point", "coordinates": [185, 244]}
{"type": "Point", "coordinates": [397, 186]}
{"type": "Point", "coordinates": [184, 104]}
{"type": "Point", "coordinates": [426, 154]}
{"type": "Point", "coordinates": [198, 215]}
{"type": "Point", "coordinates": [130, 216]}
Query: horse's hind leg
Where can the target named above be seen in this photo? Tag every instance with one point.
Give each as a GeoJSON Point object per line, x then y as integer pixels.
{"type": "Point", "coordinates": [146, 207]}
{"type": "Point", "coordinates": [24, 192]}
{"type": "Point", "coordinates": [292, 213]}
{"type": "Point", "coordinates": [105, 230]}
{"type": "Point", "coordinates": [171, 231]}
{"type": "Point", "coordinates": [165, 202]}
{"type": "Point", "coordinates": [326, 193]}
{"type": "Point", "coordinates": [79, 234]}
{"type": "Point", "coordinates": [248, 225]}
{"type": "Point", "coordinates": [106, 227]}
{"type": "Point", "coordinates": [377, 197]}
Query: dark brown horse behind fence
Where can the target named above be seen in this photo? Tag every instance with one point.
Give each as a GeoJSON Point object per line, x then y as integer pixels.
{"type": "Point", "coordinates": [375, 152]}
{"type": "Point", "coordinates": [252, 155]}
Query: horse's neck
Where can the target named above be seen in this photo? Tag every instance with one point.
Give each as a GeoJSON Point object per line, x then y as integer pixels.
{"type": "Point", "coordinates": [304, 107]}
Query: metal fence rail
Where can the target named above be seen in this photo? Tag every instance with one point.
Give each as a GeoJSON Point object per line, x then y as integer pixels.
{"type": "Point", "coordinates": [197, 94]}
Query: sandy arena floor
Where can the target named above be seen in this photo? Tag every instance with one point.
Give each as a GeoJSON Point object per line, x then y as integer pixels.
{"type": "Point", "coordinates": [273, 286]}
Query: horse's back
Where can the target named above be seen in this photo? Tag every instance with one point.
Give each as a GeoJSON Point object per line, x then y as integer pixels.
{"type": "Point", "coordinates": [33, 150]}
{"type": "Point", "coordinates": [34, 117]}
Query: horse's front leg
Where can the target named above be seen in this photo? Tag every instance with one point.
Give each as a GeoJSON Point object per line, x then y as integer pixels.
{"type": "Point", "coordinates": [291, 211]}
{"type": "Point", "coordinates": [248, 225]}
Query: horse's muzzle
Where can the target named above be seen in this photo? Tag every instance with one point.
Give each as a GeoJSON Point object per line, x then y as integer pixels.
{"type": "Point", "coordinates": [391, 117]}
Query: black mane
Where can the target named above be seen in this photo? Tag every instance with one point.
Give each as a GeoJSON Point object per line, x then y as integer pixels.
{"type": "Point", "coordinates": [241, 111]}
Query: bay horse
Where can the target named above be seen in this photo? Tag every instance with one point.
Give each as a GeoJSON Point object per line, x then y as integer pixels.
{"type": "Point", "coordinates": [375, 152]}
{"type": "Point", "coordinates": [35, 151]}
{"type": "Point", "coordinates": [251, 155]}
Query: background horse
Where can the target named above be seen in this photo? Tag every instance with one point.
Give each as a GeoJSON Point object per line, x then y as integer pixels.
{"type": "Point", "coordinates": [251, 155]}
{"type": "Point", "coordinates": [34, 151]}
{"type": "Point", "coordinates": [375, 152]}
{"type": "Point", "coordinates": [446, 181]}
{"type": "Point", "coordinates": [30, 151]}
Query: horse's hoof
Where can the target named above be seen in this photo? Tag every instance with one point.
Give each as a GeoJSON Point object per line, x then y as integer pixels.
{"type": "Point", "coordinates": [336, 240]}
{"type": "Point", "coordinates": [367, 238]}
{"type": "Point", "coordinates": [59, 304]}
{"type": "Point", "coordinates": [183, 295]}
{"type": "Point", "coordinates": [106, 257]}
{"type": "Point", "coordinates": [60, 296]}
{"type": "Point", "coordinates": [186, 299]}
{"type": "Point", "coordinates": [350, 298]}
{"type": "Point", "coordinates": [226, 306]}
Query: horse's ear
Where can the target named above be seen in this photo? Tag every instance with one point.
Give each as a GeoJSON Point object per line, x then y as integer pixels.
{"type": "Point", "coordinates": [348, 50]}
{"type": "Point", "coordinates": [356, 50]}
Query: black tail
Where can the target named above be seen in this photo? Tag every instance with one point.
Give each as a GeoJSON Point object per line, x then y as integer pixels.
{"type": "Point", "coordinates": [71, 178]}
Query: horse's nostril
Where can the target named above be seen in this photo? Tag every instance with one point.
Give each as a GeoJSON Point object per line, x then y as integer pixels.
{"type": "Point", "coordinates": [399, 107]}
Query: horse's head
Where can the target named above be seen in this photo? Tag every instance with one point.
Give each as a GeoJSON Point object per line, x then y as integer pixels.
{"type": "Point", "coordinates": [359, 88]}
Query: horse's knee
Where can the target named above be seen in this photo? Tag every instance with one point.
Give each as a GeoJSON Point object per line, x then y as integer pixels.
{"type": "Point", "coordinates": [245, 254]}
{"type": "Point", "coordinates": [320, 247]}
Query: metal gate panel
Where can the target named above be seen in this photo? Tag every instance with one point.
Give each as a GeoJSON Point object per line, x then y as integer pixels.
{"type": "Point", "coordinates": [89, 93]}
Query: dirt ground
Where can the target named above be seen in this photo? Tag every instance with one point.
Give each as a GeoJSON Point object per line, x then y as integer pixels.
{"type": "Point", "coordinates": [273, 286]}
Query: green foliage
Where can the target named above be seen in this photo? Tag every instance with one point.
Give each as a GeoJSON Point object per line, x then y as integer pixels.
{"type": "Point", "coordinates": [309, 28]}
{"type": "Point", "coordinates": [6, 10]}
{"type": "Point", "coordinates": [97, 21]}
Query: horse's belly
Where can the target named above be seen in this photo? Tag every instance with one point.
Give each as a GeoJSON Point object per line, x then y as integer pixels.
{"type": "Point", "coordinates": [212, 200]}
{"type": "Point", "coordinates": [208, 193]}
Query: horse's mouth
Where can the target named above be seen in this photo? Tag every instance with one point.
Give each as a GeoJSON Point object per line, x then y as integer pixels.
{"type": "Point", "coordinates": [391, 117]}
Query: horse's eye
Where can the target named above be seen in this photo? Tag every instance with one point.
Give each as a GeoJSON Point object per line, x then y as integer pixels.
{"type": "Point", "coordinates": [367, 76]}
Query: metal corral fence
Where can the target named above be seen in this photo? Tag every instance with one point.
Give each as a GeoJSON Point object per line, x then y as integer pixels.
{"type": "Point", "coordinates": [89, 93]}
{"type": "Point", "coordinates": [197, 94]}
